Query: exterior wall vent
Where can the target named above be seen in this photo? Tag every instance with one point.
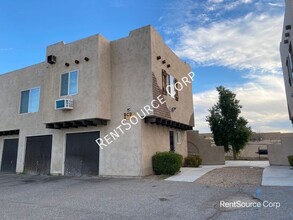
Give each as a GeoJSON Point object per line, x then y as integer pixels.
{"type": "Point", "coordinates": [64, 104]}
{"type": "Point", "coordinates": [51, 59]}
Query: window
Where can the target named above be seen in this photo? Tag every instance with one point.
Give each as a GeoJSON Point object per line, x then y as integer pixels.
{"type": "Point", "coordinates": [164, 82]}
{"type": "Point", "coordinates": [168, 82]}
{"type": "Point", "coordinates": [178, 137]}
{"type": "Point", "coordinates": [69, 83]}
{"type": "Point", "coordinates": [30, 101]}
{"type": "Point", "coordinates": [173, 92]}
{"type": "Point", "coordinates": [289, 68]}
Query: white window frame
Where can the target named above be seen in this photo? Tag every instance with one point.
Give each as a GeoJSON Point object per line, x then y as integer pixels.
{"type": "Point", "coordinates": [171, 85]}
{"type": "Point", "coordinates": [29, 98]}
{"type": "Point", "coordinates": [68, 86]}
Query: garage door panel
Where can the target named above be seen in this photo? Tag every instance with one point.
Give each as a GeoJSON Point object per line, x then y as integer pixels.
{"type": "Point", "coordinates": [38, 155]}
{"type": "Point", "coordinates": [9, 155]}
{"type": "Point", "coordinates": [82, 154]}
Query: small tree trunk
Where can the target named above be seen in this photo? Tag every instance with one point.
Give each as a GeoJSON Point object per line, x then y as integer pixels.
{"type": "Point", "coordinates": [234, 153]}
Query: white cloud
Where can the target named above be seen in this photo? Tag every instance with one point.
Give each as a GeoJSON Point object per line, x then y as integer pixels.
{"type": "Point", "coordinates": [229, 5]}
{"type": "Point", "coordinates": [248, 42]}
{"type": "Point", "coordinates": [215, 1]}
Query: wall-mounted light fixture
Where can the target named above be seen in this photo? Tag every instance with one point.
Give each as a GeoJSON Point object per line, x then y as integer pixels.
{"type": "Point", "coordinates": [67, 64]}
{"type": "Point", "coordinates": [86, 59]}
{"type": "Point", "coordinates": [173, 109]}
{"type": "Point", "coordinates": [158, 57]}
{"type": "Point", "coordinates": [164, 61]}
{"type": "Point", "coordinates": [76, 61]}
{"type": "Point", "coordinates": [288, 27]}
{"type": "Point", "coordinates": [287, 34]}
{"type": "Point", "coordinates": [286, 41]}
{"type": "Point", "coordinates": [168, 65]}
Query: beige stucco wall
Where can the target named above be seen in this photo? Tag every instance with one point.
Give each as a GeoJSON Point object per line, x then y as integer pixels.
{"type": "Point", "coordinates": [178, 69]}
{"type": "Point", "coordinates": [131, 83]}
{"type": "Point", "coordinates": [30, 124]}
{"type": "Point", "coordinates": [210, 155]}
{"type": "Point", "coordinates": [278, 153]}
{"type": "Point", "coordinates": [94, 79]}
{"type": "Point", "coordinates": [156, 139]}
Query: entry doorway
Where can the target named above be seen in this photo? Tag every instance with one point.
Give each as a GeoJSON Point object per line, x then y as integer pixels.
{"type": "Point", "coordinates": [172, 142]}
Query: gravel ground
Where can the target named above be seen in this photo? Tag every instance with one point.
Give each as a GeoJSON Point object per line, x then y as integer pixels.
{"type": "Point", "coordinates": [232, 176]}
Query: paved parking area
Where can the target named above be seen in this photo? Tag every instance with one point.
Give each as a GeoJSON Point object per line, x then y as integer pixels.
{"type": "Point", "coordinates": [47, 197]}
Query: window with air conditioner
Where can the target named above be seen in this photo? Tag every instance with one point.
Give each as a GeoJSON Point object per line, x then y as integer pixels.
{"type": "Point", "coordinates": [69, 83]}
{"type": "Point", "coordinates": [30, 99]}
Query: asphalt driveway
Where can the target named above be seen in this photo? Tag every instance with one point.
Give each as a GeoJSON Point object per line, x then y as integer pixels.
{"type": "Point", "coordinates": [46, 197]}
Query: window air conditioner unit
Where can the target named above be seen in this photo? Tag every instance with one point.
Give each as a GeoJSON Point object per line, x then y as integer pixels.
{"type": "Point", "coordinates": [64, 104]}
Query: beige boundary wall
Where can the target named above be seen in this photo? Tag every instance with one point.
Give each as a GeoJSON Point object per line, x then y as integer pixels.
{"type": "Point", "coordinates": [278, 153]}
{"type": "Point", "coordinates": [211, 155]}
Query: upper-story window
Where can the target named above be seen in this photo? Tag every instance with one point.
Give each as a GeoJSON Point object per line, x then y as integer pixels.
{"type": "Point", "coordinates": [69, 83]}
{"type": "Point", "coordinates": [289, 68]}
{"type": "Point", "coordinates": [30, 100]}
{"type": "Point", "coordinates": [168, 85]}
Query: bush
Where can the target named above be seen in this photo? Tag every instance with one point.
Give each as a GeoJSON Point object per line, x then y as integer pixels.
{"type": "Point", "coordinates": [167, 163]}
{"type": "Point", "coordinates": [192, 161]}
{"type": "Point", "coordinates": [290, 159]}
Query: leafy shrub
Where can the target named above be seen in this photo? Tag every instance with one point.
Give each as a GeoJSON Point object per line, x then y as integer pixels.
{"type": "Point", "coordinates": [192, 161]}
{"type": "Point", "coordinates": [290, 159]}
{"type": "Point", "coordinates": [167, 163]}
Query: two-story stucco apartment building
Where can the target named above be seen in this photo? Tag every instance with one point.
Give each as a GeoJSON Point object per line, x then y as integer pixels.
{"type": "Point", "coordinates": [53, 112]}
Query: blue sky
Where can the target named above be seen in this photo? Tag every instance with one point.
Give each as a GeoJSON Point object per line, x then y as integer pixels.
{"type": "Point", "coordinates": [234, 43]}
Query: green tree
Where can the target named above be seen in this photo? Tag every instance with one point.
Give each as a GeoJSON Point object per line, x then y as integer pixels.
{"type": "Point", "coordinates": [228, 128]}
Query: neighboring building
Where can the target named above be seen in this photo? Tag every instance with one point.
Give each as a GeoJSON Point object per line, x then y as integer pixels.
{"type": "Point", "coordinates": [52, 112]}
{"type": "Point", "coordinates": [277, 144]}
{"type": "Point", "coordinates": [287, 55]}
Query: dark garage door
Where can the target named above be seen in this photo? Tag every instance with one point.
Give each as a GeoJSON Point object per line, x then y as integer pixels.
{"type": "Point", "coordinates": [38, 154]}
{"type": "Point", "coordinates": [9, 155]}
{"type": "Point", "coordinates": [82, 154]}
